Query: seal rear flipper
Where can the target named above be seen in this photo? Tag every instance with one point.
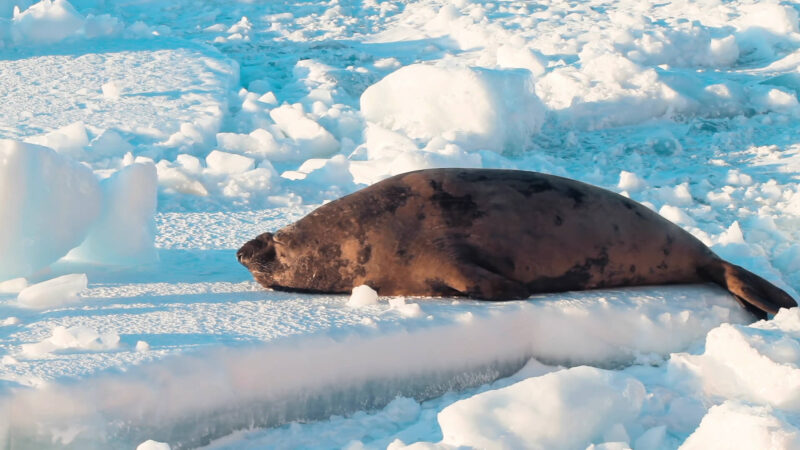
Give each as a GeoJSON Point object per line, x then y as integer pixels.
{"type": "Point", "coordinates": [749, 288]}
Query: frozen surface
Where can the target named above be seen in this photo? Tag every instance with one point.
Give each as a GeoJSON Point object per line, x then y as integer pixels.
{"type": "Point", "coordinates": [47, 204]}
{"type": "Point", "coordinates": [124, 234]}
{"type": "Point", "coordinates": [218, 120]}
{"type": "Point", "coordinates": [53, 292]}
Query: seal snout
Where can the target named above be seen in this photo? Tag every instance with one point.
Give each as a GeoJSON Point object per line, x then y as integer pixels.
{"type": "Point", "coordinates": [254, 248]}
{"type": "Point", "coordinates": [245, 254]}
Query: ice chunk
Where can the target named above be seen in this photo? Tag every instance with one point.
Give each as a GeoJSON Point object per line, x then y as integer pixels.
{"type": "Point", "coordinates": [564, 409]}
{"type": "Point", "coordinates": [13, 286]}
{"type": "Point", "coordinates": [111, 90]}
{"type": "Point", "coordinates": [479, 108]}
{"type": "Point", "coordinates": [54, 292]}
{"type": "Point", "coordinates": [259, 143]}
{"type": "Point", "coordinates": [675, 215]}
{"type": "Point", "coordinates": [405, 309]}
{"type": "Point", "coordinates": [733, 235]}
{"type": "Point", "coordinates": [70, 140]}
{"type": "Point", "coordinates": [757, 363]}
{"type": "Point", "coordinates": [173, 178]}
{"type": "Point", "coordinates": [631, 182]}
{"type": "Point", "coordinates": [153, 445]}
{"type": "Point", "coordinates": [125, 231]}
{"type": "Point", "coordinates": [735, 425]}
{"type": "Point", "coordinates": [46, 22]}
{"type": "Point", "coordinates": [47, 204]}
{"type": "Point", "coordinates": [509, 56]}
{"type": "Point", "coordinates": [362, 296]}
{"type": "Point", "coordinates": [230, 163]}
{"type": "Point", "coordinates": [314, 141]}
{"type": "Point", "coordinates": [74, 338]}
{"type": "Point", "coordinates": [109, 144]}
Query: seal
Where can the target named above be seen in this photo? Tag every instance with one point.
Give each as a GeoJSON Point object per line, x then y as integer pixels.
{"type": "Point", "coordinates": [492, 235]}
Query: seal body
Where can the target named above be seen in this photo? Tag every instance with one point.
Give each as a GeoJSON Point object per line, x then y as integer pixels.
{"type": "Point", "coordinates": [493, 235]}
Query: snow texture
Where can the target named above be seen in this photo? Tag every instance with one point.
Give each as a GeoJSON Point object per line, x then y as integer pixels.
{"type": "Point", "coordinates": [141, 143]}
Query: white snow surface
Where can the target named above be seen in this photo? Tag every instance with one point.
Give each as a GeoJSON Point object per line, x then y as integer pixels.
{"type": "Point", "coordinates": [144, 142]}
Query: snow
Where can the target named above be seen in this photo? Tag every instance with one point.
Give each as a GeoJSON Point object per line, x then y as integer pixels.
{"type": "Point", "coordinates": [54, 292]}
{"type": "Point", "coordinates": [144, 142]}
{"type": "Point", "coordinates": [153, 445]}
{"type": "Point", "coordinates": [478, 108]}
{"type": "Point", "coordinates": [363, 296]}
{"type": "Point", "coordinates": [75, 338]}
{"type": "Point", "coordinates": [46, 22]}
{"type": "Point", "coordinates": [540, 412]}
{"type": "Point", "coordinates": [736, 425]}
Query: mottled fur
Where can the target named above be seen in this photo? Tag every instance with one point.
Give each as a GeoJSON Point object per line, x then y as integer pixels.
{"type": "Point", "coordinates": [494, 235]}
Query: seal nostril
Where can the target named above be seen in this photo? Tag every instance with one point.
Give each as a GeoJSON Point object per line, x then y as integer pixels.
{"type": "Point", "coordinates": [244, 254]}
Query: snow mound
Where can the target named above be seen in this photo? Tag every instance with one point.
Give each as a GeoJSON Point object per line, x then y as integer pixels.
{"type": "Point", "coordinates": [362, 296]}
{"type": "Point", "coordinates": [74, 338]}
{"type": "Point", "coordinates": [479, 108]}
{"type": "Point", "coordinates": [228, 163]}
{"type": "Point", "coordinates": [736, 425]}
{"type": "Point", "coordinates": [69, 140]}
{"type": "Point", "coordinates": [46, 22]}
{"type": "Point", "coordinates": [759, 363]}
{"type": "Point", "coordinates": [313, 140]}
{"type": "Point", "coordinates": [125, 232]}
{"type": "Point", "coordinates": [54, 292]}
{"type": "Point", "coordinates": [563, 409]}
{"type": "Point", "coordinates": [153, 445]}
{"type": "Point", "coordinates": [47, 205]}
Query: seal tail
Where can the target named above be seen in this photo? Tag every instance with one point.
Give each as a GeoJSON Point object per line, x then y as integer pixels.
{"type": "Point", "coordinates": [756, 294]}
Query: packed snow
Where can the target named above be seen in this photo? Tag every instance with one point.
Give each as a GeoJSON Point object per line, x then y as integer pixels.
{"type": "Point", "coordinates": [141, 143]}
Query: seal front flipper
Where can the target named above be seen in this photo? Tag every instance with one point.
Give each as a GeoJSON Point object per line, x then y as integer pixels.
{"type": "Point", "coordinates": [477, 282]}
{"type": "Point", "coordinates": [758, 295]}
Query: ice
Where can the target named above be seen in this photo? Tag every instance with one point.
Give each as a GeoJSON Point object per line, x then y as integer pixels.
{"type": "Point", "coordinates": [46, 22]}
{"type": "Point", "coordinates": [153, 445]}
{"type": "Point", "coordinates": [124, 234]}
{"type": "Point", "coordinates": [563, 409]}
{"type": "Point", "coordinates": [736, 425]}
{"type": "Point", "coordinates": [676, 215]}
{"type": "Point", "coordinates": [47, 205]}
{"type": "Point", "coordinates": [228, 163]}
{"type": "Point", "coordinates": [13, 286]}
{"type": "Point", "coordinates": [405, 309]}
{"type": "Point", "coordinates": [54, 292]}
{"type": "Point", "coordinates": [629, 181]}
{"type": "Point", "coordinates": [258, 143]}
{"type": "Point", "coordinates": [479, 109]}
{"type": "Point", "coordinates": [313, 140]}
{"type": "Point", "coordinates": [111, 90]}
{"type": "Point", "coordinates": [752, 363]}
{"type": "Point", "coordinates": [69, 140]}
{"type": "Point", "coordinates": [108, 144]}
{"type": "Point", "coordinates": [256, 113]}
{"type": "Point", "coordinates": [74, 338]}
{"type": "Point", "coordinates": [363, 296]}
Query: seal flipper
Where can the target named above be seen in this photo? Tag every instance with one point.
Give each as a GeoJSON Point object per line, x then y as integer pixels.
{"type": "Point", "coordinates": [750, 289]}
{"type": "Point", "coordinates": [477, 282]}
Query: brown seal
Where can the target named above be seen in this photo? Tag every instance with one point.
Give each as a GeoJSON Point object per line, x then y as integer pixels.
{"type": "Point", "coordinates": [493, 235]}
